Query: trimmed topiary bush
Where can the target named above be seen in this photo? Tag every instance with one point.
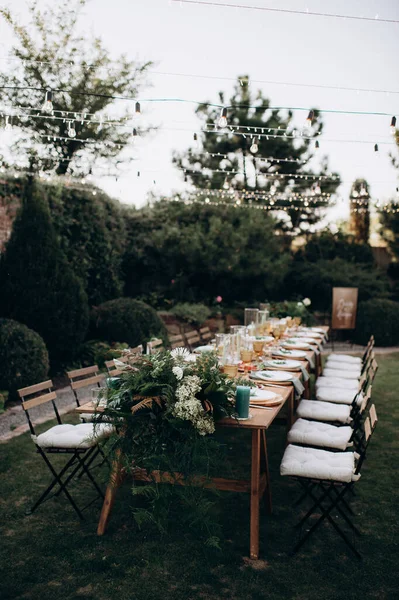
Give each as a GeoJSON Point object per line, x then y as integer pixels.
{"type": "Point", "coordinates": [23, 356]}
{"type": "Point", "coordinates": [38, 287]}
{"type": "Point", "coordinates": [192, 313]}
{"type": "Point", "coordinates": [126, 320]}
{"type": "Point", "coordinates": [379, 317]}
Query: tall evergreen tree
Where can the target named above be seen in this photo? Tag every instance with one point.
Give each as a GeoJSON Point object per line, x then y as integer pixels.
{"type": "Point", "coordinates": [37, 285]}
{"type": "Point", "coordinates": [360, 210]}
{"type": "Point", "coordinates": [250, 120]}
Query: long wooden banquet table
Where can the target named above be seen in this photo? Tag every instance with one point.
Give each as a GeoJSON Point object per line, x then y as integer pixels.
{"type": "Point", "coordinates": [258, 483]}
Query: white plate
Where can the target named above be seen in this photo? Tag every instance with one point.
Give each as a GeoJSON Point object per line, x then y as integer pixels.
{"type": "Point", "coordinates": [258, 394]}
{"type": "Point", "coordinates": [204, 349]}
{"type": "Point", "coordinates": [297, 344]}
{"type": "Point", "coordinates": [291, 353]}
{"type": "Point", "coordinates": [307, 340]}
{"type": "Point", "coordinates": [285, 363]}
{"type": "Point", "coordinates": [318, 329]}
{"type": "Point", "coordinates": [271, 376]}
{"type": "Point", "coordinates": [309, 334]}
{"type": "Point", "coordinates": [262, 338]}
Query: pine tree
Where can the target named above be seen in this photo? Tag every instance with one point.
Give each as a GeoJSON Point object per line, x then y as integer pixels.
{"type": "Point", "coordinates": [37, 285]}
{"type": "Point", "coordinates": [360, 210]}
{"type": "Point", "coordinates": [274, 135]}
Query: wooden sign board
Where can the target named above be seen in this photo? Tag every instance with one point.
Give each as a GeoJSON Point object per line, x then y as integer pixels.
{"type": "Point", "coordinates": [344, 308]}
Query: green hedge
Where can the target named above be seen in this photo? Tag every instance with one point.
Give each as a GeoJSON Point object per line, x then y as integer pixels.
{"type": "Point", "coordinates": [191, 313]}
{"type": "Point", "coordinates": [379, 317]}
{"type": "Point", "coordinates": [23, 356]}
{"type": "Point", "coordinates": [126, 320]}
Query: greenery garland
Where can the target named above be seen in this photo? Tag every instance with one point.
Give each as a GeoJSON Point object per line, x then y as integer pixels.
{"type": "Point", "coordinates": [164, 409]}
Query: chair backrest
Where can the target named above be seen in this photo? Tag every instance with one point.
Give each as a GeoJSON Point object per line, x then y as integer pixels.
{"type": "Point", "coordinates": [177, 341]}
{"type": "Point", "coordinates": [369, 348]}
{"type": "Point", "coordinates": [80, 378]}
{"type": "Point", "coordinates": [205, 334]}
{"type": "Point", "coordinates": [370, 424]}
{"type": "Point", "coordinates": [129, 357]}
{"type": "Point", "coordinates": [154, 346]}
{"type": "Point", "coordinates": [192, 338]}
{"type": "Point", "coordinates": [36, 395]}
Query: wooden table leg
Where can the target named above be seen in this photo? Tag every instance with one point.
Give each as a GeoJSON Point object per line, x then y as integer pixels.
{"type": "Point", "coordinates": [306, 385]}
{"type": "Point", "coordinates": [255, 499]}
{"type": "Point", "coordinates": [114, 482]}
{"type": "Point", "coordinates": [267, 495]}
{"type": "Point", "coordinates": [290, 409]}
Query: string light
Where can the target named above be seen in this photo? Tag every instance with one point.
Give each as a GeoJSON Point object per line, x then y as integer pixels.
{"type": "Point", "coordinates": [71, 129]}
{"type": "Point", "coordinates": [317, 145]}
{"type": "Point", "coordinates": [223, 118]}
{"type": "Point", "coordinates": [375, 147]}
{"type": "Point", "coordinates": [254, 147]}
{"type": "Point", "coordinates": [8, 126]}
{"type": "Point", "coordinates": [47, 107]}
{"type": "Point", "coordinates": [309, 119]}
{"type": "Point", "coordinates": [393, 125]}
{"type": "Point", "coordinates": [134, 132]}
{"type": "Point", "coordinates": [137, 109]}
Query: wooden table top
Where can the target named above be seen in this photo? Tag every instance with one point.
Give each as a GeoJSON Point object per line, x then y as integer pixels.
{"type": "Point", "coordinates": [261, 417]}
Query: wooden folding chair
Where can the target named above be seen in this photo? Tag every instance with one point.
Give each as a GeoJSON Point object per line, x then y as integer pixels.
{"type": "Point", "coordinates": [129, 358]}
{"type": "Point", "coordinates": [81, 378]}
{"type": "Point", "coordinates": [154, 346]}
{"type": "Point", "coordinates": [177, 341]}
{"type": "Point", "coordinates": [326, 478]}
{"type": "Point", "coordinates": [78, 442]}
{"type": "Point", "coordinates": [192, 339]}
{"type": "Point", "coordinates": [206, 334]}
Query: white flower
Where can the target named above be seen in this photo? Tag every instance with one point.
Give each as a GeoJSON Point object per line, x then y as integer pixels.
{"type": "Point", "coordinates": [180, 353]}
{"type": "Point", "coordinates": [299, 303]}
{"type": "Point", "coordinates": [307, 301]}
{"type": "Point", "coordinates": [178, 371]}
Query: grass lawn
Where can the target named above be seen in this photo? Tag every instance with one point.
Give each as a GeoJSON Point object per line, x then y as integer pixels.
{"type": "Point", "coordinates": [52, 555]}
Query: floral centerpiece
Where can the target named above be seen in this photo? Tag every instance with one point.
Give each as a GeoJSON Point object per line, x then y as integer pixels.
{"type": "Point", "coordinates": [164, 408]}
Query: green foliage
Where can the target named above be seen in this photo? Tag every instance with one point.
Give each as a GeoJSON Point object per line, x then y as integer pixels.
{"type": "Point", "coordinates": [252, 174]}
{"type": "Point", "coordinates": [95, 352]}
{"type": "Point", "coordinates": [192, 313]}
{"type": "Point", "coordinates": [194, 253]}
{"type": "Point", "coordinates": [292, 309]}
{"type": "Point", "coordinates": [91, 231]}
{"type": "Point", "coordinates": [316, 280]}
{"type": "Point", "coordinates": [379, 317]}
{"type": "Point", "coordinates": [23, 356]}
{"type": "Point", "coordinates": [328, 246]}
{"type": "Point", "coordinates": [38, 287]}
{"type": "Point", "coordinates": [51, 37]}
{"type": "Point", "coordinates": [390, 231]}
{"type": "Point", "coordinates": [126, 320]}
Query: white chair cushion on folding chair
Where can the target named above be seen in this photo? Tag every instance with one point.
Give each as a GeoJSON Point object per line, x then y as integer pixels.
{"type": "Point", "coordinates": [84, 435]}
{"type": "Point", "coordinates": [345, 358]}
{"type": "Point", "coordinates": [324, 411]}
{"type": "Point", "coordinates": [340, 366]}
{"type": "Point", "coordinates": [341, 373]}
{"type": "Point", "coordinates": [315, 433]}
{"type": "Point", "coordinates": [337, 382]}
{"type": "Point", "coordinates": [337, 395]}
{"type": "Point", "coordinates": [318, 464]}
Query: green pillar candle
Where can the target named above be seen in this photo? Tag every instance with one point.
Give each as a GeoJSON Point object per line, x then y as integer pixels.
{"type": "Point", "coordinates": [242, 401]}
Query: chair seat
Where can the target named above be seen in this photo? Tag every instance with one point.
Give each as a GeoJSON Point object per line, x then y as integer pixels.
{"type": "Point", "coordinates": [318, 464]}
{"type": "Point", "coordinates": [337, 382]}
{"type": "Point", "coordinates": [337, 395]}
{"type": "Point", "coordinates": [315, 433]}
{"type": "Point", "coordinates": [345, 358]}
{"type": "Point", "coordinates": [84, 435]}
{"type": "Point", "coordinates": [341, 373]}
{"type": "Point", "coordinates": [341, 366]}
{"type": "Point", "coordinates": [324, 411]}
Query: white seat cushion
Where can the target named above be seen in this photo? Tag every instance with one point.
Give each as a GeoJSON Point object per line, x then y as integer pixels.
{"type": "Point", "coordinates": [337, 382]}
{"type": "Point", "coordinates": [84, 435]}
{"type": "Point", "coordinates": [324, 411]}
{"type": "Point", "coordinates": [342, 373]}
{"type": "Point", "coordinates": [345, 358]}
{"type": "Point", "coordinates": [316, 433]}
{"type": "Point", "coordinates": [318, 464]}
{"type": "Point", "coordinates": [337, 395]}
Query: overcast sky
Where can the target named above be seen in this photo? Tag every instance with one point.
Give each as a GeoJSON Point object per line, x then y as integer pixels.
{"type": "Point", "coordinates": [220, 43]}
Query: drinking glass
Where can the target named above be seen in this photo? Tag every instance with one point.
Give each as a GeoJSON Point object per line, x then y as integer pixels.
{"type": "Point", "coordinates": [251, 320]}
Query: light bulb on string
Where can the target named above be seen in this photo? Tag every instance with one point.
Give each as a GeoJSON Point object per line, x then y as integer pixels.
{"type": "Point", "coordinates": [317, 145]}
{"type": "Point", "coordinates": [309, 119]}
{"type": "Point", "coordinates": [393, 125]}
{"type": "Point", "coordinates": [134, 132]}
{"type": "Point", "coordinates": [48, 103]}
{"type": "Point", "coordinates": [137, 109]}
{"type": "Point", "coordinates": [8, 126]}
{"type": "Point", "coordinates": [223, 118]}
{"type": "Point", "coordinates": [90, 175]}
{"type": "Point", "coordinates": [196, 142]}
{"type": "Point", "coordinates": [71, 129]}
{"type": "Point", "coordinates": [375, 147]}
{"type": "Point", "coordinates": [254, 146]}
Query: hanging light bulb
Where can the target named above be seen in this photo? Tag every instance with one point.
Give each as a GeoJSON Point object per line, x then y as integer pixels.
{"type": "Point", "coordinates": [375, 147]}
{"type": "Point", "coordinates": [134, 132]}
{"type": "Point", "coordinates": [309, 119]}
{"type": "Point", "coordinates": [71, 129]}
{"type": "Point", "coordinates": [223, 119]}
{"type": "Point", "coordinates": [363, 191]}
{"type": "Point", "coordinates": [393, 125]}
{"type": "Point", "coordinates": [8, 125]}
{"type": "Point", "coordinates": [90, 175]}
{"type": "Point", "coordinates": [138, 109]}
{"type": "Point", "coordinates": [254, 147]}
{"type": "Point", "coordinates": [196, 142]}
{"type": "Point", "coordinates": [317, 189]}
{"type": "Point", "coordinates": [48, 103]}
{"type": "Point", "coordinates": [317, 145]}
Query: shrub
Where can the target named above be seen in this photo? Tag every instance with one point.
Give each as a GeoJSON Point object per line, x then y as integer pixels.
{"type": "Point", "coordinates": [38, 287]}
{"type": "Point", "coordinates": [192, 313]}
{"type": "Point", "coordinates": [126, 320]}
{"type": "Point", "coordinates": [292, 309]}
{"type": "Point", "coordinates": [97, 352]}
{"type": "Point", "coordinates": [379, 317]}
{"type": "Point", "coordinates": [23, 356]}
